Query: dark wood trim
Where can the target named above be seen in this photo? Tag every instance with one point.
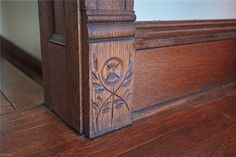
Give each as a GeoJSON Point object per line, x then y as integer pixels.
{"type": "Point", "coordinates": [59, 23]}
{"type": "Point", "coordinates": [164, 74]}
{"type": "Point", "coordinates": [186, 101]}
{"type": "Point", "coordinates": [108, 56]}
{"type": "Point", "coordinates": [31, 66]}
{"type": "Point", "coordinates": [170, 33]}
{"type": "Point", "coordinates": [109, 71]}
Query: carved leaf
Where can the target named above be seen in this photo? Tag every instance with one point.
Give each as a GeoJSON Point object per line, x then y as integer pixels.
{"type": "Point", "coordinates": [130, 62]}
{"type": "Point", "coordinates": [127, 95]}
{"type": "Point", "coordinates": [106, 108]}
{"type": "Point", "coordinates": [94, 76]}
{"type": "Point", "coordinates": [118, 103]}
{"type": "Point", "coordinates": [127, 83]}
{"type": "Point", "coordinates": [130, 68]}
{"type": "Point", "coordinates": [99, 100]}
{"type": "Point", "coordinates": [95, 105]}
{"type": "Point", "coordinates": [95, 63]}
{"type": "Point", "coordinates": [129, 75]}
{"type": "Point", "coordinates": [99, 90]}
{"type": "Point", "coordinates": [96, 85]}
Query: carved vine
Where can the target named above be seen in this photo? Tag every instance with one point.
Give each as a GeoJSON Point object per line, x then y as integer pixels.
{"type": "Point", "coordinates": [109, 81]}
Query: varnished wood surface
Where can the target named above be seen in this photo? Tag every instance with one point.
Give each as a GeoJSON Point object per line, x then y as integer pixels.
{"type": "Point", "coordinates": [153, 34]}
{"type": "Point", "coordinates": [108, 51]}
{"type": "Point", "coordinates": [20, 90]}
{"type": "Point", "coordinates": [204, 129]}
{"type": "Point", "coordinates": [5, 105]}
{"type": "Point", "coordinates": [60, 40]}
{"type": "Point", "coordinates": [164, 74]}
{"type": "Point", "coordinates": [90, 75]}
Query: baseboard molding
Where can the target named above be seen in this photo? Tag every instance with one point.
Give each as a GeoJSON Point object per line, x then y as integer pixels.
{"type": "Point", "coordinates": [187, 101]}
{"type": "Point", "coordinates": [31, 66]}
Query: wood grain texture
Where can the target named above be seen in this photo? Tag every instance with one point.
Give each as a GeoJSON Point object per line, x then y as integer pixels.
{"type": "Point", "coordinates": [206, 127]}
{"type": "Point", "coordinates": [61, 61]}
{"type": "Point", "coordinates": [56, 14]}
{"type": "Point", "coordinates": [5, 104]}
{"type": "Point", "coordinates": [19, 91]}
{"type": "Point", "coordinates": [168, 73]}
{"type": "Point", "coordinates": [108, 56]}
{"type": "Point", "coordinates": [111, 85]}
{"type": "Point", "coordinates": [92, 89]}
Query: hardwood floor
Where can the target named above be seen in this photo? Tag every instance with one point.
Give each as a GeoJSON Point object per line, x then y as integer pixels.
{"type": "Point", "coordinates": [20, 90]}
{"type": "Point", "coordinates": [28, 128]}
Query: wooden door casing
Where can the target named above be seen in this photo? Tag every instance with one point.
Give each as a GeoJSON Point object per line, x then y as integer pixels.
{"type": "Point", "coordinates": [102, 71]}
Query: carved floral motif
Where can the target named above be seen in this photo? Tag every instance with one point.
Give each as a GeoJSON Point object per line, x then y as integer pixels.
{"type": "Point", "coordinates": [109, 81]}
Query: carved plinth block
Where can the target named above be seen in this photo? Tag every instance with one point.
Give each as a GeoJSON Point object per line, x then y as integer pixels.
{"type": "Point", "coordinates": [111, 81]}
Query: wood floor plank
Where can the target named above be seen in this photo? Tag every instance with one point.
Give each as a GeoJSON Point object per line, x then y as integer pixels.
{"type": "Point", "coordinates": [217, 145]}
{"type": "Point", "coordinates": [152, 129]}
{"type": "Point", "coordinates": [31, 133]}
{"type": "Point", "coordinates": [5, 106]}
{"type": "Point", "coordinates": [180, 142]}
{"type": "Point", "coordinates": [203, 129]}
{"type": "Point", "coordinates": [20, 90]}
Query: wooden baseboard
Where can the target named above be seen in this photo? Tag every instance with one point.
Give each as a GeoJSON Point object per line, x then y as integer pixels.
{"type": "Point", "coordinates": [31, 66]}
{"type": "Point", "coordinates": [188, 101]}
{"type": "Point", "coordinates": [177, 58]}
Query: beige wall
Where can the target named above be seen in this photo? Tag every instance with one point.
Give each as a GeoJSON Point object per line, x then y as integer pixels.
{"type": "Point", "coordinates": [147, 10]}
{"type": "Point", "coordinates": [20, 24]}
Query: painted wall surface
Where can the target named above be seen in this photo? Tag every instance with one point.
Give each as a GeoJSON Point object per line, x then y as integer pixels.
{"type": "Point", "coordinates": [20, 24]}
{"type": "Point", "coordinates": [147, 10]}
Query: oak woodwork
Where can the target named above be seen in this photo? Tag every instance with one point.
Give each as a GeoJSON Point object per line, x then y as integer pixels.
{"type": "Point", "coordinates": [18, 90]}
{"type": "Point", "coordinates": [102, 71]}
{"type": "Point", "coordinates": [108, 53]}
{"type": "Point", "coordinates": [206, 121]}
{"type": "Point", "coordinates": [61, 59]}
{"type": "Point", "coordinates": [152, 34]}
{"type": "Point", "coordinates": [172, 72]}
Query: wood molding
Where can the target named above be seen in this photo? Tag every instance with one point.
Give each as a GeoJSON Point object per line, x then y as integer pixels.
{"type": "Point", "coordinates": [171, 33]}
{"type": "Point", "coordinates": [187, 101]}
{"type": "Point", "coordinates": [102, 74]}
{"type": "Point", "coordinates": [60, 42]}
{"type": "Point", "coordinates": [167, 73]}
{"type": "Point", "coordinates": [108, 53]}
{"type": "Point", "coordinates": [28, 64]}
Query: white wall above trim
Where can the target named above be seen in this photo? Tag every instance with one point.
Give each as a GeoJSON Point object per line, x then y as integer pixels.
{"type": "Point", "coordinates": [148, 10]}
{"type": "Point", "coordinates": [19, 23]}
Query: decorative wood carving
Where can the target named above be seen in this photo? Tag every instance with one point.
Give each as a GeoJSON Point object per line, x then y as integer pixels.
{"type": "Point", "coordinates": [111, 85]}
{"type": "Point", "coordinates": [92, 89]}
{"type": "Point", "coordinates": [109, 41]}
